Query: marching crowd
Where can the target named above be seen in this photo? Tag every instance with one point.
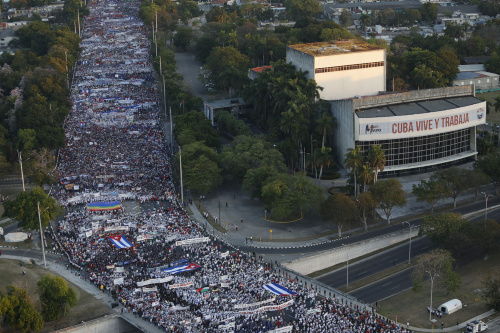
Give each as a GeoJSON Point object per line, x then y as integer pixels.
{"type": "Point", "coordinates": [116, 151]}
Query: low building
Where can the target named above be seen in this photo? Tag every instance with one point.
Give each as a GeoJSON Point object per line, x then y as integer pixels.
{"type": "Point", "coordinates": [481, 80]}
{"type": "Point", "coordinates": [418, 130]}
{"type": "Point", "coordinates": [235, 106]}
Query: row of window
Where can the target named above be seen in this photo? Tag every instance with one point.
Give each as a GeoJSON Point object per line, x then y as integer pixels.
{"type": "Point", "coordinates": [348, 67]}
{"type": "Point", "coordinates": [421, 149]}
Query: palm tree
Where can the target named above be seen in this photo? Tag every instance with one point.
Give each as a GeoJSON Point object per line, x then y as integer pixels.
{"type": "Point", "coordinates": [496, 105]}
{"type": "Point", "coordinates": [354, 161]}
{"type": "Point", "coordinates": [325, 126]}
{"type": "Point", "coordinates": [377, 160]}
{"type": "Point", "coordinates": [322, 158]}
{"type": "Point", "coordinates": [366, 175]}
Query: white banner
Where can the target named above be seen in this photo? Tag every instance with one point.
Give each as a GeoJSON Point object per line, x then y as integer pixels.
{"type": "Point", "coordinates": [118, 281]}
{"type": "Point", "coordinates": [180, 285]}
{"type": "Point", "coordinates": [285, 329]}
{"type": "Point", "coordinates": [145, 290]}
{"type": "Point", "coordinates": [119, 228]}
{"type": "Point", "coordinates": [224, 254]}
{"type": "Point", "coordinates": [141, 238]}
{"type": "Point", "coordinates": [428, 123]}
{"type": "Point", "coordinates": [154, 281]}
{"type": "Point", "coordinates": [244, 306]}
{"type": "Point", "coordinates": [88, 233]}
{"type": "Point", "coordinates": [227, 326]}
{"type": "Point", "coordinates": [155, 303]}
{"type": "Point", "coordinates": [119, 269]}
{"type": "Point", "coordinates": [223, 278]}
{"type": "Point", "coordinates": [268, 308]}
{"type": "Point", "coordinates": [224, 285]}
{"type": "Point", "coordinates": [192, 241]}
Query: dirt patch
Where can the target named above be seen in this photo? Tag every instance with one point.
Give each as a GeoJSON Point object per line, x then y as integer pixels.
{"type": "Point", "coordinates": [87, 307]}
{"type": "Point", "coordinates": [412, 307]}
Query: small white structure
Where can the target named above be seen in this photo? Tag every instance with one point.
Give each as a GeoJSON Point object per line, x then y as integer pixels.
{"type": "Point", "coordinates": [450, 306]}
{"type": "Point", "coordinates": [15, 237]}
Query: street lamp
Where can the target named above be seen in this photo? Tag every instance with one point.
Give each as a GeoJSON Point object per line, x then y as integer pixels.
{"type": "Point", "coordinates": [486, 196]}
{"type": "Point", "coordinates": [347, 269]}
{"type": "Point", "coordinates": [41, 231]}
{"type": "Point", "coordinates": [409, 248]}
{"type": "Point", "coordinates": [433, 276]}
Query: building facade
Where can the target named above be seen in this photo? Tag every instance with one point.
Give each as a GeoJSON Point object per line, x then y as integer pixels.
{"type": "Point", "coordinates": [344, 68]}
{"type": "Point", "coordinates": [418, 130]}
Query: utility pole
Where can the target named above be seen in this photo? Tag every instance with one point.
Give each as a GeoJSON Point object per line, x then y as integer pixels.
{"type": "Point", "coordinates": [409, 249]}
{"type": "Point", "coordinates": [41, 233]}
{"type": "Point", "coordinates": [180, 162]}
{"type": "Point", "coordinates": [171, 129]}
{"type": "Point", "coordinates": [79, 34]}
{"type": "Point", "coordinates": [164, 97]}
{"type": "Point", "coordinates": [22, 174]}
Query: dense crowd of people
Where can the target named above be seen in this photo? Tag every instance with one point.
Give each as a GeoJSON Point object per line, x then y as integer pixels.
{"type": "Point", "coordinates": [116, 152]}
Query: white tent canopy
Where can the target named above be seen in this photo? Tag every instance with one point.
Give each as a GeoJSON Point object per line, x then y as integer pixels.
{"type": "Point", "coordinates": [450, 306]}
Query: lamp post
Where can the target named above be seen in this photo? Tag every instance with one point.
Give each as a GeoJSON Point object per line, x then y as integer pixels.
{"type": "Point", "coordinates": [486, 196]}
{"type": "Point", "coordinates": [41, 231]}
{"type": "Point", "coordinates": [22, 174]}
{"type": "Point", "coordinates": [433, 276]}
{"type": "Point", "coordinates": [180, 164]}
{"type": "Point", "coordinates": [409, 248]}
{"type": "Point", "coordinates": [347, 256]}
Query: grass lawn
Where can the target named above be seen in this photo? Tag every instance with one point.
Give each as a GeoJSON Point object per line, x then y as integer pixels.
{"type": "Point", "coordinates": [412, 307]}
{"type": "Point", "coordinates": [87, 307]}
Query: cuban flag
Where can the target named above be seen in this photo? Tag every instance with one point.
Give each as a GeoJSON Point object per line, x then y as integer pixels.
{"type": "Point", "coordinates": [120, 242]}
{"type": "Point", "coordinates": [180, 269]}
{"type": "Point", "coordinates": [278, 290]}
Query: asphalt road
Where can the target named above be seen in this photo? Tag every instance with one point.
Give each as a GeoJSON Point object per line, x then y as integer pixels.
{"type": "Point", "coordinates": [399, 282]}
{"type": "Point", "coordinates": [384, 288]}
{"type": "Point", "coordinates": [377, 263]}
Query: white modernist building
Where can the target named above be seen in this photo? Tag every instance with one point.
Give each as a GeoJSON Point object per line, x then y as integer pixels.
{"type": "Point", "coordinates": [418, 129]}
{"type": "Point", "coordinates": [344, 68]}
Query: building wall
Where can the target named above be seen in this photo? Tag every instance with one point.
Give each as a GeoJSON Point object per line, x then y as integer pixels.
{"type": "Point", "coordinates": [301, 61]}
{"type": "Point", "coordinates": [345, 83]}
{"type": "Point", "coordinates": [482, 83]}
{"type": "Point", "coordinates": [342, 110]}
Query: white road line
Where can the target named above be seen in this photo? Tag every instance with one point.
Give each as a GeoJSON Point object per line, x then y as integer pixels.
{"type": "Point", "coordinates": [394, 287]}
{"type": "Point", "coordinates": [388, 283]}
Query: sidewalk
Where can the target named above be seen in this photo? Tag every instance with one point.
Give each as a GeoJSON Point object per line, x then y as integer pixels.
{"type": "Point", "coordinates": [231, 205]}
{"type": "Point", "coordinates": [451, 328]}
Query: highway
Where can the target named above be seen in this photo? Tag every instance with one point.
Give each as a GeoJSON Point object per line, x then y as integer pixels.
{"type": "Point", "coordinates": [377, 263]}
{"type": "Point", "coordinates": [396, 283]}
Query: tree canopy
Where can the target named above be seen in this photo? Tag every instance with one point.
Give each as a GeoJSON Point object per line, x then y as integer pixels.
{"type": "Point", "coordinates": [24, 208]}
{"type": "Point", "coordinates": [18, 310]}
{"type": "Point", "coordinates": [388, 194]}
{"type": "Point", "coordinates": [56, 297]}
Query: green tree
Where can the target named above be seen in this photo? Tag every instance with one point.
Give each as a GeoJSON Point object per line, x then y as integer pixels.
{"type": "Point", "coordinates": [376, 159]}
{"type": "Point", "coordinates": [56, 297]}
{"type": "Point", "coordinates": [302, 9]}
{"type": "Point", "coordinates": [324, 126]}
{"type": "Point", "coordinates": [493, 63]}
{"type": "Point", "coordinates": [353, 161]}
{"type": "Point", "coordinates": [491, 291]}
{"type": "Point", "coordinates": [476, 180]}
{"type": "Point", "coordinates": [437, 264]}
{"type": "Point", "coordinates": [366, 175]}
{"type": "Point", "coordinates": [455, 180]}
{"type": "Point", "coordinates": [429, 12]}
{"type": "Point", "coordinates": [200, 168]}
{"type": "Point", "coordinates": [365, 21]}
{"type": "Point", "coordinates": [439, 227]}
{"type": "Point", "coordinates": [18, 310]}
{"type": "Point", "coordinates": [366, 205]}
{"type": "Point", "coordinates": [340, 209]}
{"type": "Point", "coordinates": [430, 191]}
{"type": "Point", "coordinates": [24, 208]}
{"type": "Point", "coordinates": [388, 194]}
{"type": "Point", "coordinates": [194, 126]}
{"type": "Point", "coordinates": [490, 165]}
{"type": "Point", "coordinates": [345, 18]}
{"type": "Point", "coordinates": [182, 37]}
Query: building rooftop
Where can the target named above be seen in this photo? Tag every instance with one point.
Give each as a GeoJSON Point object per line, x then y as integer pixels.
{"type": "Point", "coordinates": [425, 106]}
{"type": "Point", "coordinates": [473, 75]}
{"type": "Point", "coordinates": [335, 47]}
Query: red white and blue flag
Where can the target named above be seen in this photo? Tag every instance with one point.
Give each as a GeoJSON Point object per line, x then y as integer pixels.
{"type": "Point", "coordinates": [120, 242]}
{"type": "Point", "coordinates": [180, 269]}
